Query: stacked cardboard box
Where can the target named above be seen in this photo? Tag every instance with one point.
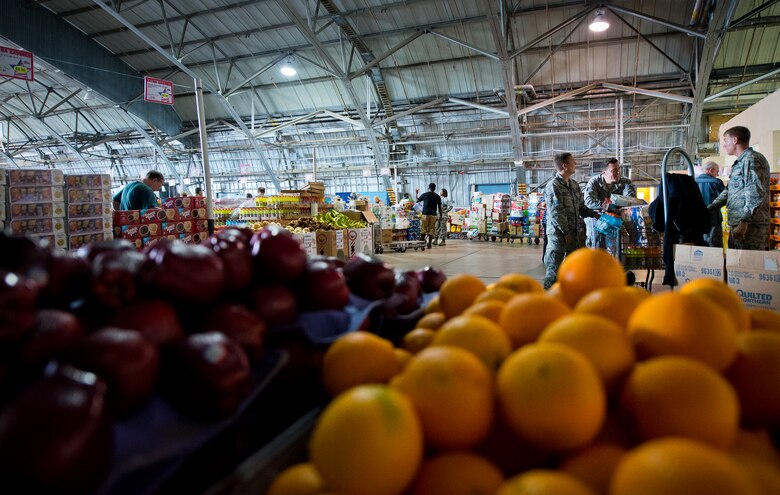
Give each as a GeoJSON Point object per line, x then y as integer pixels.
{"type": "Point", "coordinates": [316, 188]}
{"type": "Point", "coordinates": [88, 208]}
{"type": "Point", "coordinates": [35, 206]}
{"type": "Point", "coordinates": [179, 218]}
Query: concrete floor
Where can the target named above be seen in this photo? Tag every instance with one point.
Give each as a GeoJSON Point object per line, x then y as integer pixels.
{"type": "Point", "coordinates": [486, 260]}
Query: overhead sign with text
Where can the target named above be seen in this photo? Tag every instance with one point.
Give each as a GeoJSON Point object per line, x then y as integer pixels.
{"type": "Point", "coordinates": [17, 64]}
{"type": "Point", "coordinates": [158, 91]}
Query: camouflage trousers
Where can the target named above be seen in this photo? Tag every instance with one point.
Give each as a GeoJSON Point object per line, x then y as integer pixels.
{"type": "Point", "coordinates": [441, 228]}
{"type": "Point", "coordinates": [558, 247]}
{"type": "Point", "coordinates": [756, 238]}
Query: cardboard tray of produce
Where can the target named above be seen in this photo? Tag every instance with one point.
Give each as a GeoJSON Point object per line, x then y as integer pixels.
{"type": "Point", "coordinates": [155, 442]}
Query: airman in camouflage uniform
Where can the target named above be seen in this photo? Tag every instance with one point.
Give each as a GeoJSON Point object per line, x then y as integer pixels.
{"type": "Point", "coordinates": [441, 223]}
{"type": "Point", "coordinates": [597, 197]}
{"type": "Point", "coordinates": [747, 195]}
{"type": "Point", "coordinates": [565, 204]}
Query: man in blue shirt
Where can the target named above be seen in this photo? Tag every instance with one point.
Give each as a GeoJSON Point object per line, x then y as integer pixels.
{"type": "Point", "coordinates": [139, 195]}
{"type": "Point", "coordinates": [711, 187]}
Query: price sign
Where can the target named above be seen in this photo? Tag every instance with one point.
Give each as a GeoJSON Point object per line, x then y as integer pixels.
{"type": "Point", "coordinates": [16, 64]}
{"type": "Point", "coordinates": [158, 91]}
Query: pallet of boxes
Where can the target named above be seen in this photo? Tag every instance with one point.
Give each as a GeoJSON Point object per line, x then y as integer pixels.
{"type": "Point", "coordinates": [88, 207]}
{"type": "Point", "coordinates": [178, 218]}
{"type": "Point", "coordinates": [33, 205]}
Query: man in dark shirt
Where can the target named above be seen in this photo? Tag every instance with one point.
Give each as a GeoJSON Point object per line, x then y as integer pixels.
{"type": "Point", "coordinates": [430, 213]}
{"type": "Point", "coordinates": [711, 187]}
{"type": "Point", "coordinates": [139, 195]}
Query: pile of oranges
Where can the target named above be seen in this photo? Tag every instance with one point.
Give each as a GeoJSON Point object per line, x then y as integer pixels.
{"type": "Point", "coordinates": [589, 388]}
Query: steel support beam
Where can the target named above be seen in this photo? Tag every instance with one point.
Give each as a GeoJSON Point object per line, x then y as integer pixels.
{"type": "Point", "coordinates": [551, 32]}
{"type": "Point", "coordinates": [65, 143]}
{"type": "Point", "coordinates": [647, 40]}
{"type": "Point", "coordinates": [397, 116]}
{"type": "Point", "coordinates": [721, 17]}
{"type": "Point", "coordinates": [479, 106]}
{"type": "Point", "coordinates": [464, 44]}
{"type": "Point", "coordinates": [741, 85]}
{"type": "Point", "coordinates": [343, 79]}
{"type": "Point", "coordinates": [556, 99]}
{"type": "Point", "coordinates": [656, 20]}
{"type": "Point", "coordinates": [169, 164]}
{"type": "Point", "coordinates": [552, 52]}
{"type": "Point", "coordinates": [386, 54]}
{"type": "Point", "coordinates": [648, 92]}
{"type": "Point", "coordinates": [749, 15]}
{"type": "Point", "coordinates": [65, 47]}
{"type": "Point", "coordinates": [257, 73]}
{"type": "Point", "coordinates": [193, 75]}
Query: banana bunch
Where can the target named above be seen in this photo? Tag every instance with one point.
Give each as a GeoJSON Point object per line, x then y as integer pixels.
{"type": "Point", "coordinates": [339, 220]}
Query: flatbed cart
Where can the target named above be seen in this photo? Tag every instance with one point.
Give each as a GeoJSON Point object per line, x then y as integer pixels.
{"type": "Point", "coordinates": [400, 246]}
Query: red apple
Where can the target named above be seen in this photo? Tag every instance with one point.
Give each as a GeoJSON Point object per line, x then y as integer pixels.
{"type": "Point", "coordinates": [91, 250]}
{"type": "Point", "coordinates": [407, 286]}
{"type": "Point", "coordinates": [186, 272]}
{"type": "Point", "coordinates": [244, 233]}
{"type": "Point", "coordinates": [277, 256]}
{"type": "Point", "coordinates": [322, 287]}
{"type": "Point", "coordinates": [155, 319]}
{"type": "Point", "coordinates": [116, 277]}
{"type": "Point", "coordinates": [24, 256]}
{"type": "Point", "coordinates": [233, 250]}
{"type": "Point", "coordinates": [431, 278]}
{"type": "Point", "coordinates": [330, 260]}
{"type": "Point", "coordinates": [276, 305]}
{"type": "Point", "coordinates": [18, 296]}
{"type": "Point", "coordinates": [54, 334]}
{"type": "Point", "coordinates": [239, 324]}
{"type": "Point", "coordinates": [208, 375]}
{"type": "Point", "coordinates": [55, 436]}
{"type": "Point", "coordinates": [69, 279]}
{"type": "Point", "coordinates": [369, 277]}
{"type": "Point", "coordinates": [128, 363]}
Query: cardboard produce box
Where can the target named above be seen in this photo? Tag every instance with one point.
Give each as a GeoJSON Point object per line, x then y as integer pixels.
{"type": "Point", "coordinates": [331, 243]}
{"type": "Point", "coordinates": [692, 262]}
{"type": "Point", "coordinates": [359, 241]}
{"type": "Point", "coordinates": [755, 275]}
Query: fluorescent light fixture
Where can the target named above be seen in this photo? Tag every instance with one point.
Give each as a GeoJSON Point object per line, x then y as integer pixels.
{"type": "Point", "coordinates": [288, 69]}
{"type": "Point", "coordinates": [599, 23]}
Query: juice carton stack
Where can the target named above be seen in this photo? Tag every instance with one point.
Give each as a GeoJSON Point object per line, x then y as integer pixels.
{"type": "Point", "coordinates": [34, 205]}
{"type": "Point", "coordinates": [88, 208]}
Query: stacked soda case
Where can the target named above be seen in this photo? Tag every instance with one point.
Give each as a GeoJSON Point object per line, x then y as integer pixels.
{"type": "Point", "coordinates": [182, 218]}
{"type": "Point", "coordinates": [88, 206]}
{"type": "Point", "coordinates": [33, 204]}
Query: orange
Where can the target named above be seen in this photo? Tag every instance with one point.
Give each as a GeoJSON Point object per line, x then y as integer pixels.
{"type": "Point", "coordinates": [600, 340]}
{"type": "Point", "coordinates": [526, 315]}
{"type": "Point", "coordinates": [458, 292]}
{"type": "Point", "coordinates": [418, 339]}
{"type": "Point", "coordinates": [594, 465]}
{"type": "Point", "coordinates": [678, 466]}
{"type": "Point", "coordinates": [432, 321]}
{"type": "Point", "coordinates": [489, 309]}
{"type": "Point", "coordinates": [433, 306]}
{"type": "Point", "coordinates": [511, 454]}
{"type": "Point", "coordinates": [683, 325]}
{"type": "Point", "coordinates": [765, 475]}
{"type": "Point", "coordinates": [677, 396]}
{"type": "Point", "coordinates": [758, 444]}
{"type": "Point", "coordinates": [403, 357]}
{"type": "Point", "coordinates": [496, 294]}
{"type": "Point", "coordinates": [551, 396]}
{"type": "Point", "coordinates": [555, 291]}
{"type": "Point", "coordinates": [722, 295]}
{"type": "Point", "coordinates": [764, 319]}
{"type": "Point", "coordinates": [544, 482]}
{"type": "Point", "coordinates": [367, 440]}
{"type": "Point", "coordinates": [614, 303]}
{"type": "Point", "coordinates": [586, 270]}
{"type": "Point", "coordinates": [519, 283]}
{"type": "Point", "coordinates": [452, 392]}
{"type": "Point", "coordinates": [478, 335]}
{"type": "Point", "coordinates": [300, 479]}
{"type": "Point", "coordinates": [357, 358]}
{"type": "Point", "coordinates": [755, 375]}
{"type": "Point", "coordinates": [457, 473]}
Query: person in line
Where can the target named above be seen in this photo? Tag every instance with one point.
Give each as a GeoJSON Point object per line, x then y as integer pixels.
{"type": "Point", "coordinates": [565, 205]}
{"type": "Point", "coordinates": [711, 187]}
{"type": "Point", "coordinates": [443, 220]}
{"type": "Point", "coordinates": [261, 191]}
{"type": "Point", "coordinates": [747, 195]}
{"type": "Point", "coordinates": [598, 198]}
{"type": "Point", "coordinates": [430, 212]}
{"type": "Point", "coordinates": [139, 194]}
{"type": "Point", "coordinates": [198, 191]}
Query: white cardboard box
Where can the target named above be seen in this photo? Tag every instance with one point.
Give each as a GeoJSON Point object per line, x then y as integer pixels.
{"type": "Point", "coordinates": [692, 262]}
{"type": "Point", "coordinates": [755, 275]}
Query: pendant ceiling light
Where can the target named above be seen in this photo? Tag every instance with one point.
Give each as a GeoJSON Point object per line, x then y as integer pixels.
{"type": "Point", "coordinates": [599, 23]}
{"type": "Point", "coordinates": [288, 69]}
